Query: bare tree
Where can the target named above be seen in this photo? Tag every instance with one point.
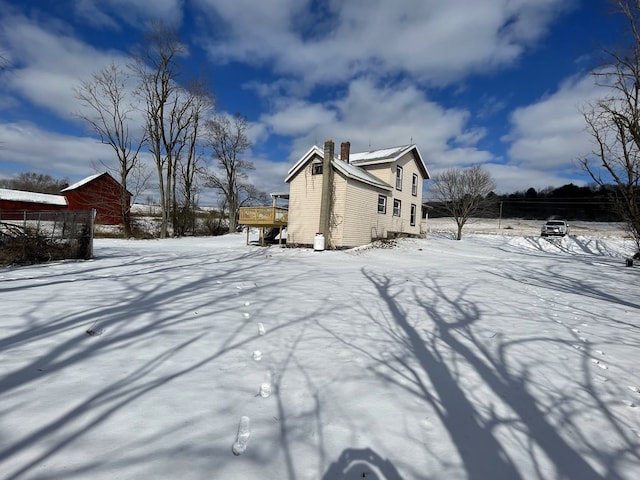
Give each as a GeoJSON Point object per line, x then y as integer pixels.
{"type": "Point", "coordinates": [227, 138]}
{"type": "Point", "coordinates": [110, 115]}
{"type": "Point", "coordinates": [463, 193]}
{"type": "Point", "coordinates": [614, 123]}
{"type": "Point", "coordinates": [157, 68]}
{"type": "Point", "coordinates": [188, 160]}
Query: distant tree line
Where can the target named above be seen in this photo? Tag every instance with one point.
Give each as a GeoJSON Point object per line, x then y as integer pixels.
{"type": "Point", "coordinates": [570, 202]}
{"type": "Point", "coordinates": [35, 182]}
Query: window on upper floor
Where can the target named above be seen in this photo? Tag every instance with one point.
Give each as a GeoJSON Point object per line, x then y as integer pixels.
{"type": "Point", "coordinates": [316, 169]}
{"type": "Point", "coordinates": [382, 204]}
{"type": "Point", "coordinates": [412, 218]}
{"type": "Point", "coordinates": [396, 207]}
{"type": "Point", "coordinates": [398, 178]}
{"type": "Point", "coordinates": [414, 185]}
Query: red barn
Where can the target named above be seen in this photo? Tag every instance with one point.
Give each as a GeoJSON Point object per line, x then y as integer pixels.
{"type": "Point", "coordinates": [17, 200]}
{"type": "Point", "coordinates": [101, 192]}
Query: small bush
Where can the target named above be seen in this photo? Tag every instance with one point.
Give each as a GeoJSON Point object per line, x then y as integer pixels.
{"type": "Point", "coordinates": [23, 247]}
{"type": "Point", "coordinates": [213, 225]}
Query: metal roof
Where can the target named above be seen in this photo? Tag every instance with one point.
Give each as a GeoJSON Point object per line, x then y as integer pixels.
{"type": "Point", "coordinates": [31, 197]}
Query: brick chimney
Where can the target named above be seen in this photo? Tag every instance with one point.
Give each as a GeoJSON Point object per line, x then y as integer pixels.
{"type": "Point", "coordinates": [345, 148]}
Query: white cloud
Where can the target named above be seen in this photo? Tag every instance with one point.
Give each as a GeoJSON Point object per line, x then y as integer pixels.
{"type": "Point", "coordinates": [268, 175]}
{"type": "Point", "coordinates": [38, 150]}
{"type": "Point", "coordinates": [299, 118]}
{"type": "Point", "coordinates": [48, 64]}
{"type": "Point", "coordinates": [432, 40]}
{"type": "Point", "coordinates": [371, 116]}
{"type": "Point", "coordinates": [107, 13]}
{"type": "Point", "coordinates": [511, 178]}
{"type": "Point", "coordinates": [367, 47]}
{"type": "Point", "coordinates": [551, 133]}
{"type": "Point", "coordinates": [471, 137]}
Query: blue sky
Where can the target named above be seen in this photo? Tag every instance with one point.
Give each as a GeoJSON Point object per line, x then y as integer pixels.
{"type": "Point", "coordinates": [496, 82]}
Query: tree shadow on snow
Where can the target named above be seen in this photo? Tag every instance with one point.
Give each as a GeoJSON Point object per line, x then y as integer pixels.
{"type": "Point", "coordinates": [127, 324]}
{"type": "Point", "coordinates": [440, 343]}
{"type": "Point", "coordinates": [592, 281]}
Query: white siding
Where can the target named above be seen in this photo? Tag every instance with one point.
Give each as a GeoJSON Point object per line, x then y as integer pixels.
{"type": "Point", "coordinates": [387, 173]}
{"type": "Point", "coordinates": [362, 220]}
{"type": "Point", "coordinates": [384, 172]}
{"type": "Point", "coordinates": [305, 193]}
{"type": "Point", "coordinates": [355, 219]}
{"type": "Point", "coordinates": [403, 223]}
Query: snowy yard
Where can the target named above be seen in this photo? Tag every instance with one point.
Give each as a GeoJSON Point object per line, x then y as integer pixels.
{"type": "Point", "coordinates": [498, 357]}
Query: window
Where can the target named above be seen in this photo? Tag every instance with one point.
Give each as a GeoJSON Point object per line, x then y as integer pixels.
{"type": "Point", "coordinates": [414, 185]}
{"type": "Point", "coordinates": [412, 218]}
{"type": "Point", "coordinates": [382, 204]}
{"type": "Point", "coordinates": [396, 207]}
{"type": "Point", "coordinates": [316, 169]}
{"type": "Point", "coordinates": [398, 178]}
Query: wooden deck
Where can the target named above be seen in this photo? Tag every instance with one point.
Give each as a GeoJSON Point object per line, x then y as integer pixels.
{"type": "Point", "coordinates": [264, 216]}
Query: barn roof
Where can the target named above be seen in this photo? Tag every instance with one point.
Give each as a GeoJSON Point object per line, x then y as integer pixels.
{"type": "Point", "coordinates": [31, 197]}
{"type": "Point", "coordinates": [82, 182]}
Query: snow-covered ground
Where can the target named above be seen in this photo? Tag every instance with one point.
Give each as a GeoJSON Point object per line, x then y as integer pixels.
{"type": "Point", "coordinates": [520, 227]}
{"type": "Point", "coordinates": [496, 357]}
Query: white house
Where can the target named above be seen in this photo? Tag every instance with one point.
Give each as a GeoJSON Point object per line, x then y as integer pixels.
{"type": "Point", "coordinates": [355, 198]}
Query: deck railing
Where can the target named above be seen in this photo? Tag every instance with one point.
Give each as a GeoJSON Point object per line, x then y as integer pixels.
{"type": "Point", "coordinates": [263, 216]}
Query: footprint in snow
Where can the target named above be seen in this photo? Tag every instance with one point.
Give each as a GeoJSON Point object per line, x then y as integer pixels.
{"type": "Point", "coordinates": [265, 387]}
{"type": "Point", "coordinates": [257, 355]}
{"type": "Point", "coordinates": [599, 364]}
{"type": "Point", "coordinates": [242, 438]}
{"type": "Point", "coordinates": [261, 330]}
{"type": "Point", "coordinates": [246, 315]}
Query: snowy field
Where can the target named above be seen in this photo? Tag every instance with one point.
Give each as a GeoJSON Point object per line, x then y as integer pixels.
{"type": "Point", "coordinates": [498, 357]}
